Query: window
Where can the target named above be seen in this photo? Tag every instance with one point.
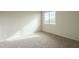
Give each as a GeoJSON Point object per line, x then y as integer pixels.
{"type": "Point", "coordinates": [49, 17]}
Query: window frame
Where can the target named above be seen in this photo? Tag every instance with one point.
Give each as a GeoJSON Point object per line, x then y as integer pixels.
{"type": "Point", "coordinates": [49, 17]}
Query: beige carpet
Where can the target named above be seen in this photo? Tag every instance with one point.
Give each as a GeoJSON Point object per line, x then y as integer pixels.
{"type": "Point", "coordinates": [39, 40]}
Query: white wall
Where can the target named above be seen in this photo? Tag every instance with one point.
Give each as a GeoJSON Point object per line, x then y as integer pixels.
{"type": "Point", "coordinates": [67, 25]}
{"type": "Point", "coordinates": [17, 23]}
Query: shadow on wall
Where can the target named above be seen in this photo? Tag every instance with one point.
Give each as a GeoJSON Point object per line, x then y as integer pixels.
{"type": "Point", "coordinates": [29, 28]}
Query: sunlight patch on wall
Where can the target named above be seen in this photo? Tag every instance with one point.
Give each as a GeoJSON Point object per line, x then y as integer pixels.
{"type": "Point", "coordinates": [31, 27]}
{"type": "Point", "coordinates": [28, 29]}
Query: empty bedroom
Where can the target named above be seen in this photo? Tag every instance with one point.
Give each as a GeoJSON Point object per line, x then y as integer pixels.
{"type": "Point", "coordinates": [39, 29]}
